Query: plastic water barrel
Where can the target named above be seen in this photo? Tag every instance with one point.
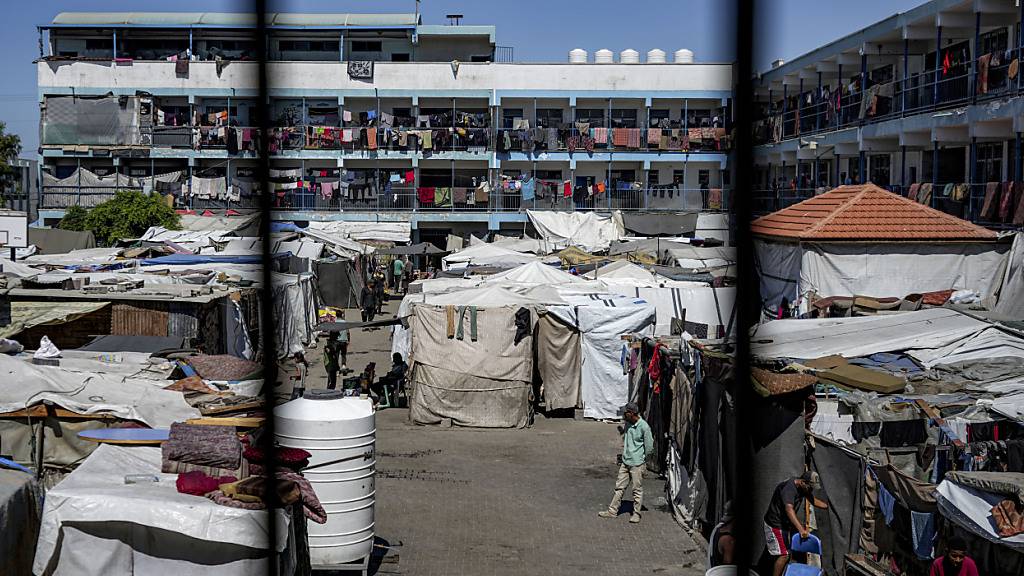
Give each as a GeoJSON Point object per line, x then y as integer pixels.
{"type": "Point", "coordinates": [684, 56]}
{"type": "Point", "coordinates": [342, 431]}
{"type": "Point", "coordinates": [629, 56]}
{"type": "Point", "coordinates": [656, 56]}
{"type": "Point", "coordinates": [578, 56]}
{"type": "Point", "coordinates": [604, 56]}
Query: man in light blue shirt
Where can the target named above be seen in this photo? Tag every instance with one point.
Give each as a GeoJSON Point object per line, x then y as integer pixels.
{"type": "Point", "coordinates": [637, 443]}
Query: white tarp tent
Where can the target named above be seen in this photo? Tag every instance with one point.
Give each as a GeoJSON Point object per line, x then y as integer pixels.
{"type": "Point", "coordinates": [295, 311]}
{"type": "Point", "coordinates": [697, 302]}
{"type": "Point", "coordinates": [1011, 293]}
{"type": "Point", "coordinates": [587, 231]}
{"type": "Point", "coordinates": [604, 386]}
{"type": "Point", "coordinates": [95, 523]}
{"type": "Point", "coordinates": [141, 399]}
{"type": "Point", "coordinates": [399, 232]}
{"type": "Point", "coordinates": [489, 255]}
{"type": "Point", "coordinates": [535, 273]}
{"type": "Point", "coordinates": [791, 271]}
{"type": "Point", "coordinates": [971, 509]}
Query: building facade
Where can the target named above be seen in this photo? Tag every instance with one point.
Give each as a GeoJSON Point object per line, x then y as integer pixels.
{"type": "Point", "coordinates": [375, 117]}
{"type": "Point", "coordinates": [930, 96]}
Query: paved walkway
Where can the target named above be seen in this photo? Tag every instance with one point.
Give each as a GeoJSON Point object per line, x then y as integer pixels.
{"type": "Point", "coordinates": [453, 501]}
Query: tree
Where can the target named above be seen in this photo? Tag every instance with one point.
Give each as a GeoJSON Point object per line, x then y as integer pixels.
{"type": "Point", "coordinates": [10, 147]}
{"type": "Point", "coordinates": [74, 219]}
{"type": "Point", "coordinates": [128, 215]}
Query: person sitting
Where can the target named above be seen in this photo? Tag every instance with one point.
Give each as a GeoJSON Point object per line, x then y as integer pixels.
{"type": "Point", "coordinates": [392, 380]}
{"type": "Point", "coordinates": [955, 562]}
{"type": "Point", "coordinates": [722, 542]}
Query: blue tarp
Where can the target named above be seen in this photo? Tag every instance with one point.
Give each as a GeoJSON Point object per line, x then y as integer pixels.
{"type": "Point", "coordinates": [284, 227]}
{"type": "Point", "coordinates": [888, 362]}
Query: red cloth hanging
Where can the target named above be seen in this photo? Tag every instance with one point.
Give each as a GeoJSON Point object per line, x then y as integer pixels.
{"type": "Point", "coordinates": [654, 367]}
{"type": "Point", "coordinates": [567, 190]}
{"type": "Point", "coordinates": [947, 63]}
{"type": "Point", "coordinates": [425, 194]}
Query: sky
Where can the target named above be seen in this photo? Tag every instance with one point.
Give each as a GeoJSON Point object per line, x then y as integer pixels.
{"type": "Point", "coordinates": [538, 30]}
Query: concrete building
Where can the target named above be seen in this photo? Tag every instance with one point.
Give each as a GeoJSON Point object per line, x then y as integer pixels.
{"type": "Point", "coordinates": [929, 96]}
{"type": "Point", "coordinates": [374, 113]}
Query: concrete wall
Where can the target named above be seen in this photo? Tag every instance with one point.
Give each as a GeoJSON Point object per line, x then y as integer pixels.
{"type": "Point", "coordinates": [412, 77]}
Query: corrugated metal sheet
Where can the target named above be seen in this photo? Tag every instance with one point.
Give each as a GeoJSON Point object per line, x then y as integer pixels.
{"type": "Point", "coordinates": [228, 19]}
{"type": "Point", "coordinates": [182, 320]}
{"type": "Point", "coordinates": [139, 319]}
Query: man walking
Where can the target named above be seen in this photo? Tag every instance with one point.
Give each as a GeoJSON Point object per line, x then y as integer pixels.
{"type": "Point", "coordinates": [332, 349]}
{"type": "Point", "coordinates": [397, 268]}
{"type": "Point", "coordinates": [368, 300]}
{"type": "Point", "coordinates": [637, 443]}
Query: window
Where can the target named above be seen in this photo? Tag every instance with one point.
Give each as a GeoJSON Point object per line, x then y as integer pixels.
{"type": "Point", "coordinates": [402, 57]}
{"type": "Point", "coordinates": [592, 115]}
{"type": "Point", "coordinates": [549, 117]}
{"type": "Point", "coordinates": [308, 45]}
{"type": "Point", "coordinates": [623, 118]}
{"type": "Point", "coordinates": [548, 174]}
{"type": "Point", "coordinates": [704, 179]}
{"type": "Point", "coordinates": [990, 162]}
{"type": "Point", "coordinates": [879, 169]}
{"type": "Point", "coordinates": [99, 44]}
{"type": "Point", "coordinates": [367, 46]}
{"type": "Point", "coordinates": [508, 115]}
{"type": "Point", "coordinates": [480, 58]}
{"type": "Point", "coordinates": [658, 115]}
{"type": "Point", "coordinates": [881, 75]}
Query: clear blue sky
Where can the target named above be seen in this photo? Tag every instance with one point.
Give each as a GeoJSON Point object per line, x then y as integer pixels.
{"type": "Point", "coordinates": [539, 30]}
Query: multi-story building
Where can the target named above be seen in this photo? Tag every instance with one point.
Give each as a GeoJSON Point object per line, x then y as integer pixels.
{"type": "Point", "coordinates": [929, 96]}
{"type": "Point", "coordinates": [377, 116]}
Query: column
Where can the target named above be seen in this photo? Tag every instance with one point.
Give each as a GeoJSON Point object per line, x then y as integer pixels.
{"type": "Point", "coordinates": [862, 175]}
{"type": "Point", "coordinates": [817, 113]}
{"type": "Point", "coordinates": [935, 171]}
{"type": "Point", "coordinates": [975, 51]}
{"type": "Point", "coordinates": [972, 173]}
{"type": "Point", "coordinates": [938, 69]}
{"type": "Point", "coordinates": [906, 76]}
{"type": "Point", "coordinates": [903, 169]}
{"type": "Point", "coordinates": [839, 98]}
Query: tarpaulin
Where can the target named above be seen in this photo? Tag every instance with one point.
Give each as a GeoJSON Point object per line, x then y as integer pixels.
{"type": "Point", "coordinates": [94, 523]}
{"type": "Point", "coordinates": [841, 475]}
{"type": "Point", "coordinates": [660, 224]}
{"type": "Point", "coordinates": [193, 259]}
{"type": "Point", "coordinates": [57, 241]}
{"type": "Point", "coordinates": [1011, 292]}
{"type": "Point", "coordinates": [585, 230]}
{"type": "Point", "coordinates": [971, 509]}
{"type": "Point", "coordinates": [20, 512]}
{"type": "Point", "coordinates": [100, 120]}
{"type": "Point", "coordinates": [25, 315]}
{"type": "Point", "coordinates": [558, 362]}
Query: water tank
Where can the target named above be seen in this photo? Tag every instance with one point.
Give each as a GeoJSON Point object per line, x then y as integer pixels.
{"type": "Point", "coordinates": [604, 56]}
{"type": "Point", "coordinates": [656, 56]}
{"type": "Point", "coordinates": [578, 56]}
{"type": "Point", "coordinates": [684, 56]}
{"type": "Point", "coordinates": [629, 56]}
{"type": "Point", "coordinates": [340, 430]}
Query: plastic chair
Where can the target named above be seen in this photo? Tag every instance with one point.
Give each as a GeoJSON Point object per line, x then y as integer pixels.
{"type": "Point", "coordinates": [810, 545]}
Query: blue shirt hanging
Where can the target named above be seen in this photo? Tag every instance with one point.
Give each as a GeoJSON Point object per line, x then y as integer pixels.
{"type": "Point", "coordinates": [529, 189]}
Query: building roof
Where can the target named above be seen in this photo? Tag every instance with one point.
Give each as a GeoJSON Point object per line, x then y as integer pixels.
{"type": "Point", "coordinates": [231, 20]}
{"type": "Point", "coordinates": [865, 213]}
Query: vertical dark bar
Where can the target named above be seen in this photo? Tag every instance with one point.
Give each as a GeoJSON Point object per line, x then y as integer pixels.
{"type": "Point", "coordinates": [974, 57]}
{"type": "Point", "coordinates": [906, 73]}
{"type": "Point", "coordinates": [972, 176]}
{"type": "Point", "coordinates": [748, 301]}
{"type": "Point", "coordinates": [935, 171]}
{"type": "Point", "coordinates": [938, 65]}
{"type": "Point", "coordinates": [267, 333]}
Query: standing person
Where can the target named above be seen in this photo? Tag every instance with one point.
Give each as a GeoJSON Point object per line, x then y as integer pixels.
{"type": "Point", "coordinates": [955, 562]}
{"type": "Point", "coordinates": [637, 443]}
{"type": "Point", "coordinates": [379, 285]}
{"type": "Point", "coordinates": [332, 349]}
{"type": "Point", "coordinates": [397, 269]}
{"type": "Point", "coordinates": [368, 301]}
{"type": "Point", "coordinates": [781, 522]}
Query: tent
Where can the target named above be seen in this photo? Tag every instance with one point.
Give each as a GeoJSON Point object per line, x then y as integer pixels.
{"type": "Point", "coordinates": [1011, 291]}
{"type": "Point", "coordinates": [295, 311]}
{"type": "Point", "coordinates": [57, 241]}
{"type": "Point", "coordinates": [588, 231]}
{"type": "Point", "coordinates": [700, 258]}
{"type": "Point", "coordinates": [488, 255]}
{"type": "Point", "coordinates": [865, 241]}
{"type": "Point", "coordinates": [707, 311]}
{"type": "Point", "coordinates": [604, 385]}
{"type": "Point", "coordinates": [423, 248]}
{"type": "Point", "coordinates": [375, 231]}
{"type": "Point", "coordinates": [536, 273]}
{"type": "Point", "coordinates": [623, 270]}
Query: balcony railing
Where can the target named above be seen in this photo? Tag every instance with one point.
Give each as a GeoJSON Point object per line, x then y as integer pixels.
{"type": "Point", "coordinates": [927, 91]}
{"type": "Point", "coordinates": [406, 199]}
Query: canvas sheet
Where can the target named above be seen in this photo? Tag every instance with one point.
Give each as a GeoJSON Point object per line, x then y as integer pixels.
{"type": "Point", "coordinates": [703, 304]}
{"type": "Point", "coordinates": [971, 509]}
{"type": "Point", "coordinates": [604, 385]}
{"type": "Point", "coordinates": [95, 495]}
{"type": "Point", "coordinates": [778, 270]}
{"type": "Point", "coordinates": [23, 385]}
{"type": "Point", "coordinates": [985, 344]}
{"type": "Point", "coordinates": [489, 255]}
{"type": "Point", "coordinates": [295, 312]}
{"type": "Point", "coordinates": [468, 400]}
{"type": "Point", "coordinates": [25, 315]}
{"type": "Point", "coordinates": [841, 474]}
{"type": "Point", "coordinates": [20, 511]}
{"type": "Point", "coordinates": [587, 231]}
{"type": "Point", "coordinates": [862, 336]}
{"type": "Point", "coordinates": [882, 270]}
{"type": "Point", "coordinates": [558, 362]}
{"type": "Point", "coordinates": [494, 355]}
{"type": "Point", "coordinates": [536, 273]}
{"type": "Point", "coordinates": [76, 257]}
{"type": "Point", "coordinates": [187, 237]}
{"type": "Point", "coordinates": [1011, 292]}
{"type": "Point", "coordinates": [378, 231]}
{"type": "Point", "coordinates": [713, 225]}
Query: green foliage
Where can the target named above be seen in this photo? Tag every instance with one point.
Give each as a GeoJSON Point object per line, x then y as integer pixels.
{"type": "Point", "coordinates": [127, 215]}
{"type": "Point", "coordinates": [74, 219]}
{"type": "Point", "coordinates": [10, 147]}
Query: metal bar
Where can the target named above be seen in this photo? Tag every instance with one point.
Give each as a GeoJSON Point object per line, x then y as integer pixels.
{"type": "Point", "coordinates": [906, 73]}
{"type": "Point", "coordinates": [115, 44]}
{"type": "Point", "coordinates": [817, 111]}
{"type": "Point", "coordinates": [938, 67]}
{"type": "Point", "coordinates": [903, 168]}
{"type": "Point", "coordinates": [862, 168]}
{"type": "Point", "coordinates": [935, 171]}
{"type": "Point", "coordinates": [972, 170]}
{"type": "Point", "coordinates": [974, 57]}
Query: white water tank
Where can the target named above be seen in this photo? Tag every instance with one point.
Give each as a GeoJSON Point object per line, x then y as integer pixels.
{"type": "Point", "coordinates": [578, 56]}
{"type": "Point", "coordinates": [656, 56]}
{"type": "Point", "coordinates": [604, 56]}
{"type": "Point", "coordinates": [629, 56]}
{"type": "Point", "coordinates": [340, 431]}
{"type": "Point", "coordinates": [684, 56]}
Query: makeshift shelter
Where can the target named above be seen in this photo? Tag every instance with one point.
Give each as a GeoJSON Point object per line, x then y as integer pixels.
{"type": "Point", "coordinates": [57, 241]}
{"type": "Point", "coordinates": [1011, 291]}
{"type": "Point", "coordinates": [21, 500]}
{"type": "Point", "coordinates": [865, 241]}
{"type": "Point", "coordinates": [489, 255]}
{"type": "Point", "coordinates": [695, 258]}
{"type": "Point", "coordinates": [588, 231]}
{"type": "Point", "coordinates": [421, 249]}
{"type": "Point", "coordinates": [660, 224]}
{"type": "Point", "coordinates": [398, 232]}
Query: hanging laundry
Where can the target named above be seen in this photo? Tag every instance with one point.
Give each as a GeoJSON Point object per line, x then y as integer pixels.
{"type": "Point", "coordinates": [528, 189]}
{"type": "Point", "coordinates": [922, 528]}
{"type": "Point", "coordinates": [371, 138]}
{"type": "Point", "coordinates": [600, 135]}
{"type": "Point", "coordinates": [566, 189]}
{"type": "Point", "coordinates": [443, 197]}
{"type": "Point", "coordinates": [482, 192]}
{"type": "Point", "coordinates": [459, 195]}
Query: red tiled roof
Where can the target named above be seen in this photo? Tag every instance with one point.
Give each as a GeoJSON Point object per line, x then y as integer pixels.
{"type": "Point", "coordinates": [865, 212]}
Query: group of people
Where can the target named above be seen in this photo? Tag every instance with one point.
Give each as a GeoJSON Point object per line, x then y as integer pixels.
{"type": "Point", "coordinates": [780, 524]}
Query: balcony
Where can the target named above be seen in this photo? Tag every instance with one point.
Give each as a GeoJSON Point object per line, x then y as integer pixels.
{"type": "Point", "coordinates": [926, 92]}
{"type": "Point", "coordinates": [407, 199]}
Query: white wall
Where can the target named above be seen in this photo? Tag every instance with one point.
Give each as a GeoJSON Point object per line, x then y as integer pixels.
{"type": "Point", "coordinates": [416, 76]}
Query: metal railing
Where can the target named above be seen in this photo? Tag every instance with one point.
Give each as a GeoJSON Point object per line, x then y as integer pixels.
{"type": "Point", "coordinates": [927, 91]}
{"type": "Point", "coordinates": [504, 54]}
